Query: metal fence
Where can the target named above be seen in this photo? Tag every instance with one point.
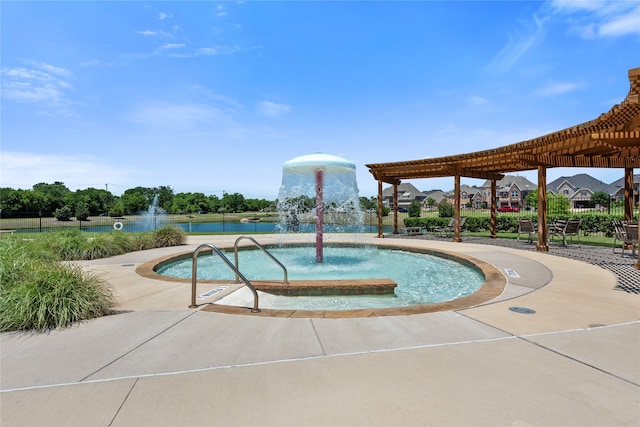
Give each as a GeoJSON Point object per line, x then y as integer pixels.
{"type": "Point", "coordinates": [27, 222]}
{"type": "Point", "coordinates": [596, 221]}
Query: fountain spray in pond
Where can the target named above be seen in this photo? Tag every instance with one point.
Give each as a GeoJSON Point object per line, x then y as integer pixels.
{"type": "Point", "coordinates": [153, 218]}
{"type": "Point", "coordinates": [322, 186]}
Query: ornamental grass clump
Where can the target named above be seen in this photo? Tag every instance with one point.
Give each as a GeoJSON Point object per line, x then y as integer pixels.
{"type": "Point", "coordinates": [65, 245]}
{"type": "Point", "coordinates": [102, 245]}
{"type": "Point", "coordinates": [169, 235]}
{"type": "Point", "coordinates": [39, 294]}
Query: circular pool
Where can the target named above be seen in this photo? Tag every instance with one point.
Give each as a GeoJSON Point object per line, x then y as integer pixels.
{"type": "Point", "coordinates": [427, 280]}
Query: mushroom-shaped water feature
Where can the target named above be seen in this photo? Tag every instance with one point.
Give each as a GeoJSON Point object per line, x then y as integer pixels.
{"type": "Point", "coordinates": [331, 179]}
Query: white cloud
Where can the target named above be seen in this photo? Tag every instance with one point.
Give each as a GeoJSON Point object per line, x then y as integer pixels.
{"type": "Point", "coordinates": [272, 109]}
{"type": "Point", "coordinates": [23, 170]}
{"type": "Point", "coordinates": [162, 16]}
{"type": "Point", "coordinates": [52, 69]}
{"type": "Point", "coordinates": [172, 46]}
{"type": "Point", "coordinates": [149, 33]}
{"type": "Point", "coordinates": [96, 63]}
{"type": "Point", "coordinates": [623, 24]}
{"type": "Point", "coordinates": [518, 45]}
{"type": "Point", "coordinates": [43, 84]}
{"type": "Point", "coordinates": [593, 19]}
{"type": "Point", "coordinates": [557, 88]}
{"type": "Point", "coordinates": [218, 50]}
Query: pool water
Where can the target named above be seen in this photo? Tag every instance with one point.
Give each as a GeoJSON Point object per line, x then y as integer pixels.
{"type": "Point", "coordinates": [421, 278]}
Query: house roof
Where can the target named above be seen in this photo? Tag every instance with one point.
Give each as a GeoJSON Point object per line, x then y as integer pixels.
{"type": "Point", "coordinates": [610, 141]}
{"type": "Point", "coordinates": [581, 181]}
{"type": "Point", "coordinates": [508, 180]}
{"type": "Point", "coordinates": [403, 189]}
{"type": "Point", "coordinates": [619, 183]}
{"type": "Point", "coordinates": [437, 195]}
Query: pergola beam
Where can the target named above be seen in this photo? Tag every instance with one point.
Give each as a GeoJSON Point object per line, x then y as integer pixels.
{"type": "Point", "coordinates": [580, 161]}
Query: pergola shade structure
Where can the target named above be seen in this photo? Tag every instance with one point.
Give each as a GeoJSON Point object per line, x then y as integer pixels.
{"type": "Point", "coordinates": [609, 141]}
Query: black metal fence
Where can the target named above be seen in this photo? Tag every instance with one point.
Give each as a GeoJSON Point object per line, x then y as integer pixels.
{"type": "Point", "coordinates": [596, 221]}
{"type": "Point", "coordinates": [27, 222]}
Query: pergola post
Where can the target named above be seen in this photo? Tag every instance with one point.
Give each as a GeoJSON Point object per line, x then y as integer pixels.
{"type": "Point", "coordinates": [395, 208]}
{"type": "Point", "coordinates": [380, 208]}
{"type": "Point", "coordinates": [542, 210]}
{"type": "Point", "coordinates": [494, 201]}
{"type": "Point", "coordinates": [628, 194]}
{"type": "Point", "coordinates": [456, 213]}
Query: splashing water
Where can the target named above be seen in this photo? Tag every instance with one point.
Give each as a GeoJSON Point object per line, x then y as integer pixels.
{"type": "Point", "coordinates": [319, 188]}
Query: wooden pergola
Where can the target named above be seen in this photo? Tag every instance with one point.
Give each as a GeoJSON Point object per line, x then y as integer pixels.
{"type": "Point", "coordinates": [609, 141]}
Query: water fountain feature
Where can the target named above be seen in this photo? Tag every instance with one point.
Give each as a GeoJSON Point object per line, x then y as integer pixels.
{"type": "Point", "coordinates": [356, 273]}
{"type": "Point", "coordinates": [320, 183]}
{"type": "Point", "coordinates": [153, 218]}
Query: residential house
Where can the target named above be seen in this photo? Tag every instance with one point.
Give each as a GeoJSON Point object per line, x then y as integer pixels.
{"type": "Point", "coordinates": [470, 196]}
{"type": "Point", "coordinates": [437, 195]}
{"type": "Point", "coordinates": [579, 189]}
{"type": "Point", "coordinates": [511, 191]}
{"type": "Point", "coordinates": [407, 193]}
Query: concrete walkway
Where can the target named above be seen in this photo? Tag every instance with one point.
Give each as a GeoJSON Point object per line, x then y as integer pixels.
{"type": "Point", "coordinates": [574, 362]}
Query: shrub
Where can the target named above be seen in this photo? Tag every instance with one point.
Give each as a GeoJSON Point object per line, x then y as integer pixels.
{"type": "Point", "coordinates": [414, 209]}
{"type": "Point", "coordinates": [63, 214]}
{"type": "Point", "coordinates": [142, 241]}
{"type": "Point", "coordinates": [64, 245]}
{"type": "Point", "coordinates": [125, 241]}
{"type": "Point", "coordinates": [101, 246]}
{"type": "Point", "coordinates": [445, 209]}
{"type": "Point", "coordinates": [169, 235]}
{"type": "Point", "coordinates": [39, 293]}
{"type": "Point", "coordinates": [82, 211]}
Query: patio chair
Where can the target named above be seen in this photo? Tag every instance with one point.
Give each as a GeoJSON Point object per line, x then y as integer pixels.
{"type": "Point", "coordinates": [631, 237]}
{"type": "Point", "coordinates": [526, 227]}
{"type": "Point", "coordinates": [564, 228]}
{"type": "Point", "coordinates": [619, 234]}
{"type": "Point", "coordinates": [450, 228]}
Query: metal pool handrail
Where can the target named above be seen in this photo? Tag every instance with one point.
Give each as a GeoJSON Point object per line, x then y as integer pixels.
{"type": "Point", "coordinates": [235, 249]}
{"type": "Point", "coordinates": [194, 268]}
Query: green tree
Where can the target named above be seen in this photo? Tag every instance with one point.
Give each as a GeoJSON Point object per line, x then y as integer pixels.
{"type": "Point", "coordinates": [134, 201]}
{"type": "Point", "coordinates": [257, 205]}
{"type": "Point", "coordinates": [53, 195]}
{"type": "Point", "coordinates": [11, 202]}
{"type": "Point", "coordinates": [116, 209]}
{"type": "Point", "coordinates": [233, 202]}
{"type": "Point", "coordinates": [414, 209]}
{"type": "Point", "coordinates": [369, 203]}
{"type": "Point", "coordinates": [532, 199]}
{"type": "Point", "coordinates": [213, 203]}
{"type": "Point", "coordinates": [600, 198]}
{"type": "Point", "coordinates": [82, 211]}
{"type": "Point", "coordinates": [63, 214]}
{"type": "Point", "coordinates": [430, 202]}
{"type": "Point", "coordinates": [445, 209]}
{"type": "Point", "coordinates": [96, 199]}
{"type": "Point", "coordinates": [165, 197]}
{"type": "Point", "coordinates": [557, 204]}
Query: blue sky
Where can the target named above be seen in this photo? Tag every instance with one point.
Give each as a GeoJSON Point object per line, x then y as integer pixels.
{"type": "Point", "coordinates": [216, 96]}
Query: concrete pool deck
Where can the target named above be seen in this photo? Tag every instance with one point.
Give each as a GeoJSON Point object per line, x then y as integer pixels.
{"type": "Point", "coordinates": [574, 362]}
